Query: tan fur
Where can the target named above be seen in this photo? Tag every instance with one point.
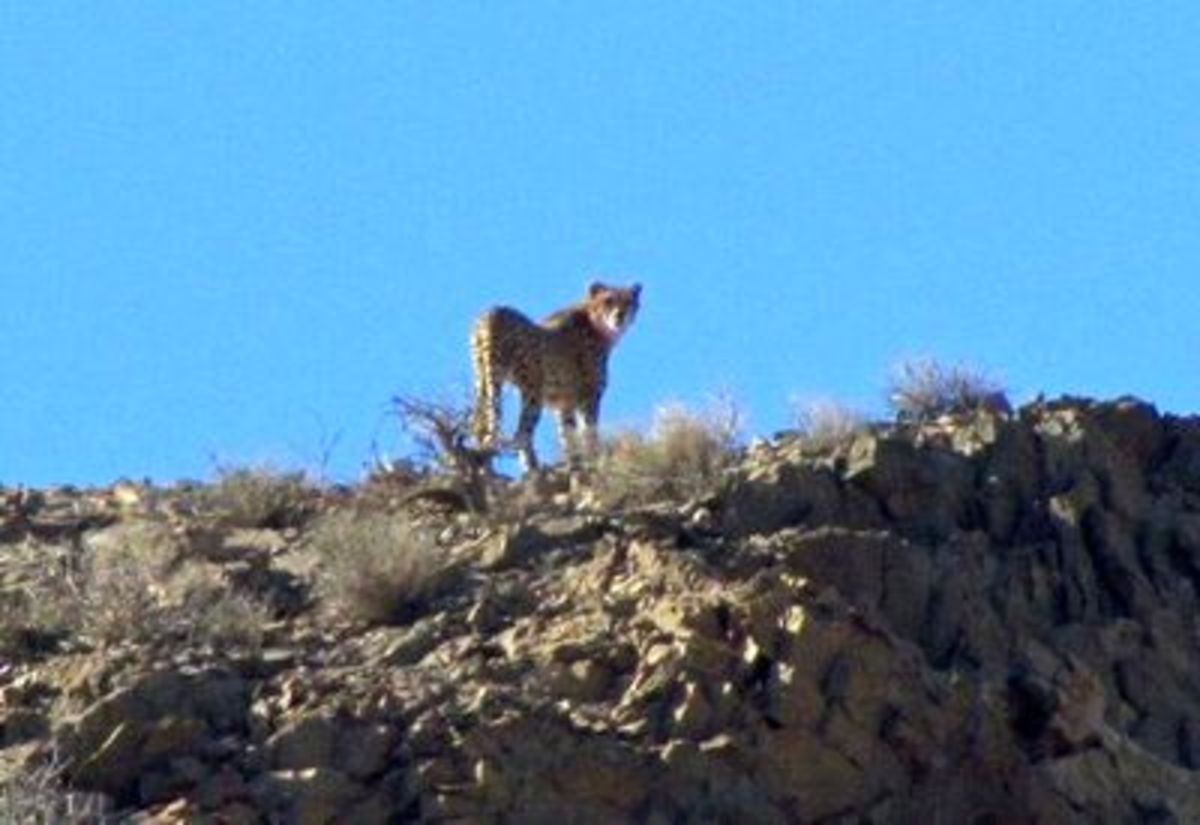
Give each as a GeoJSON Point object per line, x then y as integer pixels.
{"type": "Point", "coordinates": [561, 363]}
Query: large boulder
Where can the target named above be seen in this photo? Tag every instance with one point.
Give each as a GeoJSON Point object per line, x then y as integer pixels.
{"type": "Point", "coordinates": [149, 726]}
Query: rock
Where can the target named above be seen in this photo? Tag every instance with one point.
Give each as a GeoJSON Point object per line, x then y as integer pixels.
{"type": "Point", "coordinates": [178, 776]}
{"type": "Point", "coordinates": [1134, 428]}
{"type": "Point", "coordinates": [872, 569]}
{"type": "Point", "coordinates": [1120, 778]}
{"type": "Point", "coordinates": [1010, 479]}
{"type": "Point", "coordinates": [161, 716]}
{"type": "Point", "coordinates": [377, 809]}
{"type": "Point", "coordinates": [21, 725]}
{"type": "Point", "coordinates": [221, 790]}
{"type": "Point", "coordinates": [1182, 465]}
{"type": "Point", "coordinates": [692, 715]}
{"type": "Point", "coordinates": [528, 541]}
{"type": "Point", "coordinates": [365, 749]}
{"type": "Point", "coordinates": [770, 497]}
{"type": "Point", "coordinates": [357, 748]}
{"type": "Point", "coordinates": [508, 549]}
{"type": "Point", "coordinates": [984, 617]}
{"type": "Point", "coordinates": [238, 814]}
{"type": "Point", "coordinates": [113, 766]}
{"type": "Point", "coordinates": [584, 680]}
{"type": "Point", "coordinates": [281, 592]}
{"type": "Point", "coordinates": [310, 796]}
{"type": "Point", "coordinates": [926, 493]}
{"type": "Point", "coordinates": [305, 743]}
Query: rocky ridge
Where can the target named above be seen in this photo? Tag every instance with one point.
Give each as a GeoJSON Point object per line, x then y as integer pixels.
{"type": "Point", "coordinates": [986, 618]}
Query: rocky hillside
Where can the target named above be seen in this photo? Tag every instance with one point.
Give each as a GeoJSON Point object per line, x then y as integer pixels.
{"type": "Point", "coordinates": [989, 618]}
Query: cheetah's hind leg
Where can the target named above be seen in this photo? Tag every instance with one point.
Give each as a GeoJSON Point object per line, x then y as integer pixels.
{"type": "Point", "coordinates": [531, 411]}
{"type": "Point", "coordinates": [568, 436]}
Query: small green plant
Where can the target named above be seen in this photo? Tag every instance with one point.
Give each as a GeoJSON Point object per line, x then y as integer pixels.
{"type": "Point", "coordinates": [923, 388]}
{"type": "Point", "coordinates": [684, 456]}
{"type": "Point", "coordinates": [259, 497]}
{"type": "Point", "coordinates": [826, 423]}
{"type": "Point", "coordinates": [378, 568]}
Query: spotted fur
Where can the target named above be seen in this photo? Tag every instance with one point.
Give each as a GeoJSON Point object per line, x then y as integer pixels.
{"type": "Point", "coordinates": [560, 363]}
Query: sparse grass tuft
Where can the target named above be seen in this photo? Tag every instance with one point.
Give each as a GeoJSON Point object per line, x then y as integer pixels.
{"type": "Point", "coordinates": [259, 497]}
{"type": "Point", "coordinates": [825, 423]}
{"type": "Point", "coordinates": [923, 388]}
{"type": "Point", "coordinates": [377, 568]}
{"type": "Point", "coordinates": [683, 457]}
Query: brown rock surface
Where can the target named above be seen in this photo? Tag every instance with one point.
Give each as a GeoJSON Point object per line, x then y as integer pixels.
{"type": "Point", "coordinates": [978, 619]}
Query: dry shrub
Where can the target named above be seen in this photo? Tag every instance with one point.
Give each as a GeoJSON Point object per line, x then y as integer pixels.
{"type": "Point", "coordinates": [117, 591]}
{"type": "Point", "coordinates": [132, 585]}
{"type": "Point", "coordinates": [683, 457]}
{"type": "Point", "coordinates": [129, 583]}
{"type": "Point", "coordinates": [38, 796]}
{"type": "Point", "coordinates": [923, 388]}
{"type": "Point", "coordinates": [378, 568]}
{"type": "Point", "coordinates": [24, 634]}
{"type": "Point", "coordinates": [440, 432]}
{"type": "Point", "coordinates": [826, 423]}
{"type": "Point", "coordinates": [35, 601]}
{"type": "Point", "coordinates": [259, 497]}
{"type": "Point", "coordinates": [201, 602]}
{"type": "Point", "coordinates": [106, 593]}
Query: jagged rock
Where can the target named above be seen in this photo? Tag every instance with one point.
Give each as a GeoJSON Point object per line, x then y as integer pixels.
{"type": "Point", "coordinates": [871, 568]}
{"type": "Point", "coordinates": [162, 716]}
{"type": "Point", "coordinates": [925, 492]}
{"type": "Point", "coordinates": [764, 498]}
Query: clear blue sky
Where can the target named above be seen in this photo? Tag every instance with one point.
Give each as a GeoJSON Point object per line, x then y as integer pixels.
{"type": "Point", "coordinates": [234, 229]}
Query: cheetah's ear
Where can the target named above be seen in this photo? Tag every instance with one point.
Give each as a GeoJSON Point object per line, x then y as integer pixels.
{"type": "Point", "coordinates": [636, 289]}
{"type": "Point", "coordinates": [595, 288]}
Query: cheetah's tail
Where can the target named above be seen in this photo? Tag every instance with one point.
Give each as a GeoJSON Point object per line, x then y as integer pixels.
{"type": "Point", "coordinates": [486, 420]}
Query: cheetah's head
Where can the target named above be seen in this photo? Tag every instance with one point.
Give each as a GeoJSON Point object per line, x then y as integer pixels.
{"type": "Point", "coordinates": [612, 309]}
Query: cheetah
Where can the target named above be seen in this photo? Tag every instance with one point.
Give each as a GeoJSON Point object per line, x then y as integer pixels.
{"type": "Point", "coordinates": [561, 362]}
